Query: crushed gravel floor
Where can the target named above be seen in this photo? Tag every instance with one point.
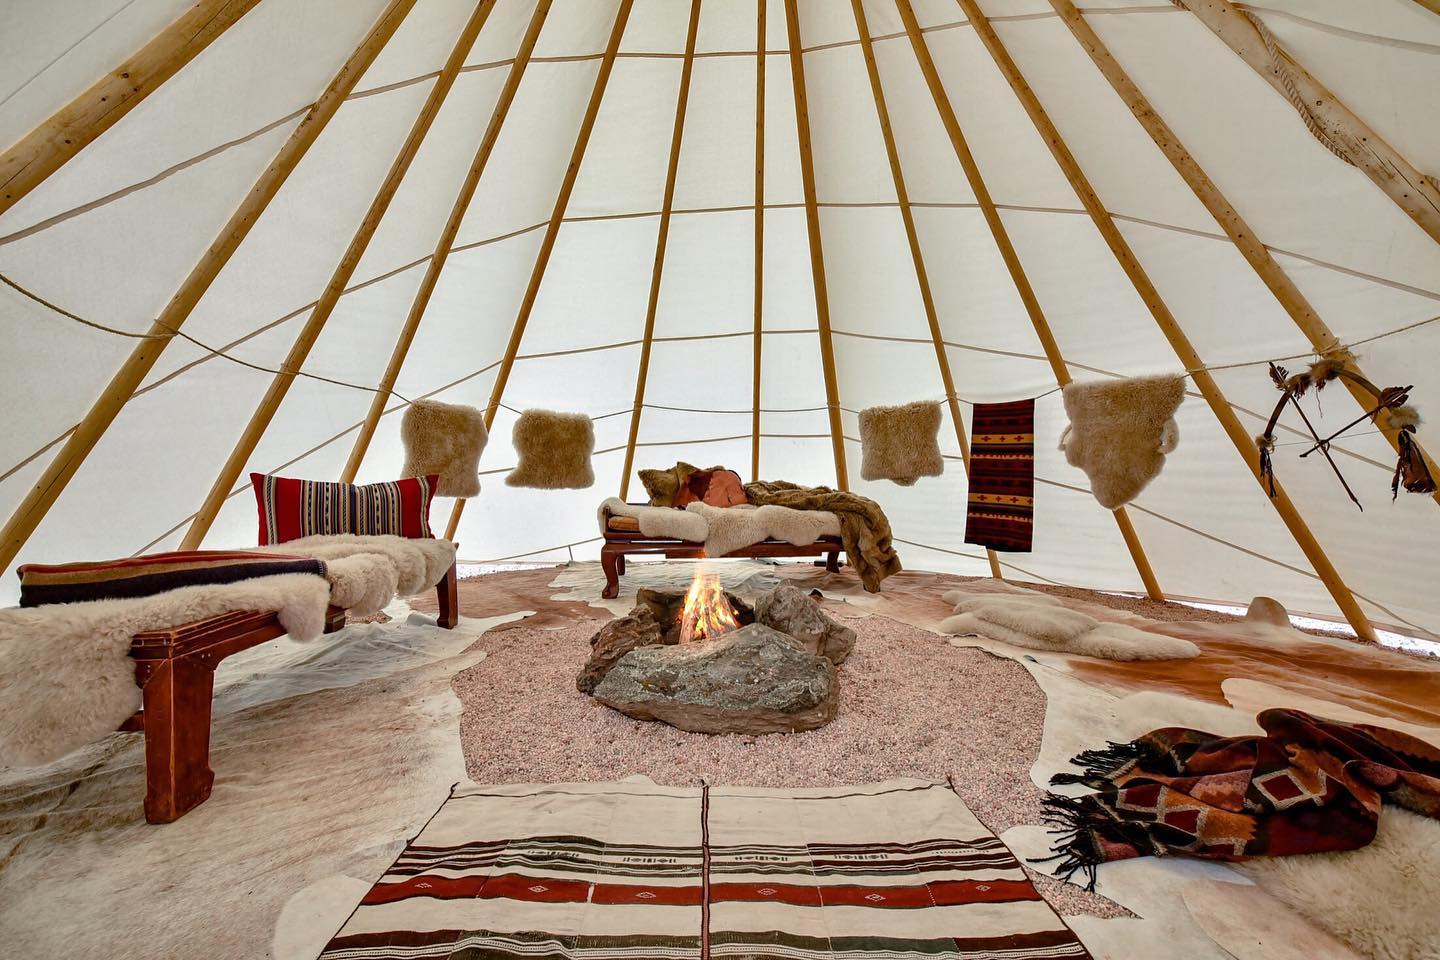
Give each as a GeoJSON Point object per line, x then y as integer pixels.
{"type": "Point", "coordinates": [911, 705]}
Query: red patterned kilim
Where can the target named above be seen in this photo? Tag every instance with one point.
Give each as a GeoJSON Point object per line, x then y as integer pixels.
{"type": "Point", "coordinates": [291, 508]}
{"type": "Point", "coordinates": [1002, 476]}
{"type": "Point", "coordinates": [1310, 785]}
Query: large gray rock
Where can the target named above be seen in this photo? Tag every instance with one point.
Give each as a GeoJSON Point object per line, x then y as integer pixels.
{"type": "Point", "coordinates": [752, 680]}
{"type": "Point", "coordinates": [638, 628]}
{"type": "Point", "coordinates": [790, 610]}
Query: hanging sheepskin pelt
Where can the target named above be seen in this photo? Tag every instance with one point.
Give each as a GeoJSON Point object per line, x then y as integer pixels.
{"type": "Point", "coordinates": [554, 450]}
{"type": "Point", "coordinates": [1120, 432]}
{"type": "Point", "coordinates": [898, 443]}
{"type": "Point", "coordinates": [445, 439]}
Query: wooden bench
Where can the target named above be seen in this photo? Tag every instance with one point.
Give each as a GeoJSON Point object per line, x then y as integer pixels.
{"type": "Point", "coordinates": [175, 670]}
{"type": "Point", "coordinates": [622, 543]}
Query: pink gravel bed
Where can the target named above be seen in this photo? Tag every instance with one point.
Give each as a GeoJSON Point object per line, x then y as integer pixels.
{"type": "Point", "coordinates": [911, 706]}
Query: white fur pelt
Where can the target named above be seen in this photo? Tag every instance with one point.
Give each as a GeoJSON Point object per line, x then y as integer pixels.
{"type": "Point", "coordinates": [732, 528]}
{"type": "Point", "coordinates": [1379, 899]}
{"type": "Point", "coordinates": [666, 522]}
{"type": "Point", "coordinates": [1120, 432]}
{"type": "Point", "coordinates": [417, 564]}
{"type": "Point", "coordinates": [65, 675]}
{"type": "Point", "coordinates": [1042, 622]}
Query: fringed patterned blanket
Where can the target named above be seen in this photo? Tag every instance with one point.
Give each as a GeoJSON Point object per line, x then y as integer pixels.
{"type": "Point", "coordinates": [612, 871]}
{"type": "Point", "coordinates": [1001, 507]}
{"type": "Point", "coordinates": [1309, 785]}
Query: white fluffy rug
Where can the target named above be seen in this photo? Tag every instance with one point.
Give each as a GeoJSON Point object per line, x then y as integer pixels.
{"type": "Point", "coordinates": [1043, 622]}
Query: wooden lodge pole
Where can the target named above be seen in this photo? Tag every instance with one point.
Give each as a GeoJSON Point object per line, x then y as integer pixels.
{"type": "Point", "coordinates": [759, 288]}
{"type": "Point", "coordinates": [445, 243]}
{"type": "Point", "coordinates": [122, 386]}
{"type": "Point", "coordinates": [1012, 263]}
{"type": "Point", "coordinates": [74, 126]}
{"type": "Point", "coordinates": [1166, 321]}
{"type": "Point", "coordinates": [662, 236]}
{"type": "Point", "coordinates": [1324, 342]}
{"type": "Point", "coordinates": [325, 306]}
{"type": "Point", "coordinates": [552, 230]}
{"type": "Point", "coordinates": [817, 251]}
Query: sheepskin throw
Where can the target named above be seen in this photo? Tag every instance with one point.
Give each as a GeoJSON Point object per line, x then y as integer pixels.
{"type": "Point", "coordinates": [898, 443]}
{"type": "Point", "coordinates": [444, 439]}
{"type": "Point", "coordinates": [1120, 431]}
{"type": "Point", "coordinates": [1042, 622]}
{"type": "Point", "coordinates": [71, 680]}
{"type": "Point", "coordinates": [1001, 508]}
{"type": "Point", "coordinates": [554, 450]}
{"type": "Point", "coordinates": [291, 508]}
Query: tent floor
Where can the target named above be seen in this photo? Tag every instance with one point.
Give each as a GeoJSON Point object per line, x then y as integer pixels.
{"type": "Point", "coordinates": [336, 751]}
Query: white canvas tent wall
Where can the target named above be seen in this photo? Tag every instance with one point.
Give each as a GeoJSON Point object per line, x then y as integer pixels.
{"type": "Point", "coordinates": [111, 235]}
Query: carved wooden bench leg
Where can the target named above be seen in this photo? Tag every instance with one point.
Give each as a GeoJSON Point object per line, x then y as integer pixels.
{"type": "Point", "coordinates": [447, 592]}
{"type": "Point", "coordinates": [612, 561]}
{"type": "Point", "coordinates": [832, 561]}
{"type": "Point", "coordinates": [177, 695]}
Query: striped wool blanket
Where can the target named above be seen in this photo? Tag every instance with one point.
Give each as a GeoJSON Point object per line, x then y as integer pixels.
{"type": "Point", "coordinates": [615, 871]}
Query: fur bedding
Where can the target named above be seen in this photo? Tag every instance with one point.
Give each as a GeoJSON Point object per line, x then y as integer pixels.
{"type": "Point", "coordinates": [726, 529]}
{"type": "Point", "coordinates": [65, 675]}
{"type": "Point", "coordinates": [1043, 622]}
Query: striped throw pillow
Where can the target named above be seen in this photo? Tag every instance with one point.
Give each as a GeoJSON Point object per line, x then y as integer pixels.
{"type": "Point", "coordinates": [42, 583]}
{"type": "Point", "coordinates": [290, 508]}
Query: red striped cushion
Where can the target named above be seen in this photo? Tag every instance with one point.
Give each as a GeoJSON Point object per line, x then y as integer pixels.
{"type": "Point", "coordinates": [290, 508]}
{"type": "Point", "coordinates": [42, 583]}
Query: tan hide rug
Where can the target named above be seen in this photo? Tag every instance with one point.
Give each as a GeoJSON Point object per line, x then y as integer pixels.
{"type": "Point", "coordinates": [1369, 901]}
{"type": "Point", "coordinates": [328, 756]}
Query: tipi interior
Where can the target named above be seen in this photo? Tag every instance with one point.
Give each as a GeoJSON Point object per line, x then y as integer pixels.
{"type": "Point", "coordinates": [770, 479]}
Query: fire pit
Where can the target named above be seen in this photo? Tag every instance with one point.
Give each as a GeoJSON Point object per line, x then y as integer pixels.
{"type": "Point", "coordinates": [707, 662]}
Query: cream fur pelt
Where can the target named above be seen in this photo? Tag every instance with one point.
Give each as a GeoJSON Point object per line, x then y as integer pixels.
{"type": "Point", "coordinates": [732, 528]}
{"type": "Point", "coordinates": [418, 564]}
{"type": "Point", "coordinates": [1120, 432]}
{"type": "Point", "coordinates": [554, 451]}
{"type": "Point", "coordinates": [65, 675]}
{"type": "Point", "coordinates": [1379, 899]}
{"type": "Point", "coordinates": [1042, 622]}
{"type": "Point", "coordinates": [445, 439]}
{"type": "Point", "coordinates": [899, 443]}
{"type": "Point", "coordinates": [666, 522]}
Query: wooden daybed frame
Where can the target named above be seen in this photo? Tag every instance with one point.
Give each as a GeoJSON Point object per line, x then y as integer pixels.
{"type": "Point", "coordinates": [622, 543]}
{"type": "Point", "coordinates": [175, 670]}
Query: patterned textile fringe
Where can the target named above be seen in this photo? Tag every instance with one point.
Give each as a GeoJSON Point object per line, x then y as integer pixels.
{"type": "Point", "coordinates": [1102, 765]}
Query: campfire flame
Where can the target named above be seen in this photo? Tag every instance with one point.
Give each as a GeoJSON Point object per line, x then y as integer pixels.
{"type": "Point", "coordinates": [707, 613]}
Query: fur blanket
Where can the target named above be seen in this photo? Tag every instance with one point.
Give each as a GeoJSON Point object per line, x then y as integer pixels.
{"type": "Point", "coordinates": [1042, 622]}
{"type": "Point", "coordinates": [66, 678]}
{"type": "Point", "coordinates": [864, 528]}
{"type": "Point", "coordinates": [725, 529]}
{"type": "Point", "coordinates": [365, 572]}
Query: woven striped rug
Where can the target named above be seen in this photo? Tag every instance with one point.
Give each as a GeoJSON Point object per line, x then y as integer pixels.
{"type": "Point", "coordinates": [631, 870]}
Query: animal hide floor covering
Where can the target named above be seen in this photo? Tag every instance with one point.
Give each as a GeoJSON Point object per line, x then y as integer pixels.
{"type": "Point", "coordinates": [1042, 622]}
{"type": "Point", "coordinates": [1000, 511]}
{"type": "Point", "coordinates": [898, 443]}
{"type": "Point", "coordinates": [445, 439]}
{"type": "Point", "coordinates": [1120, 432]}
